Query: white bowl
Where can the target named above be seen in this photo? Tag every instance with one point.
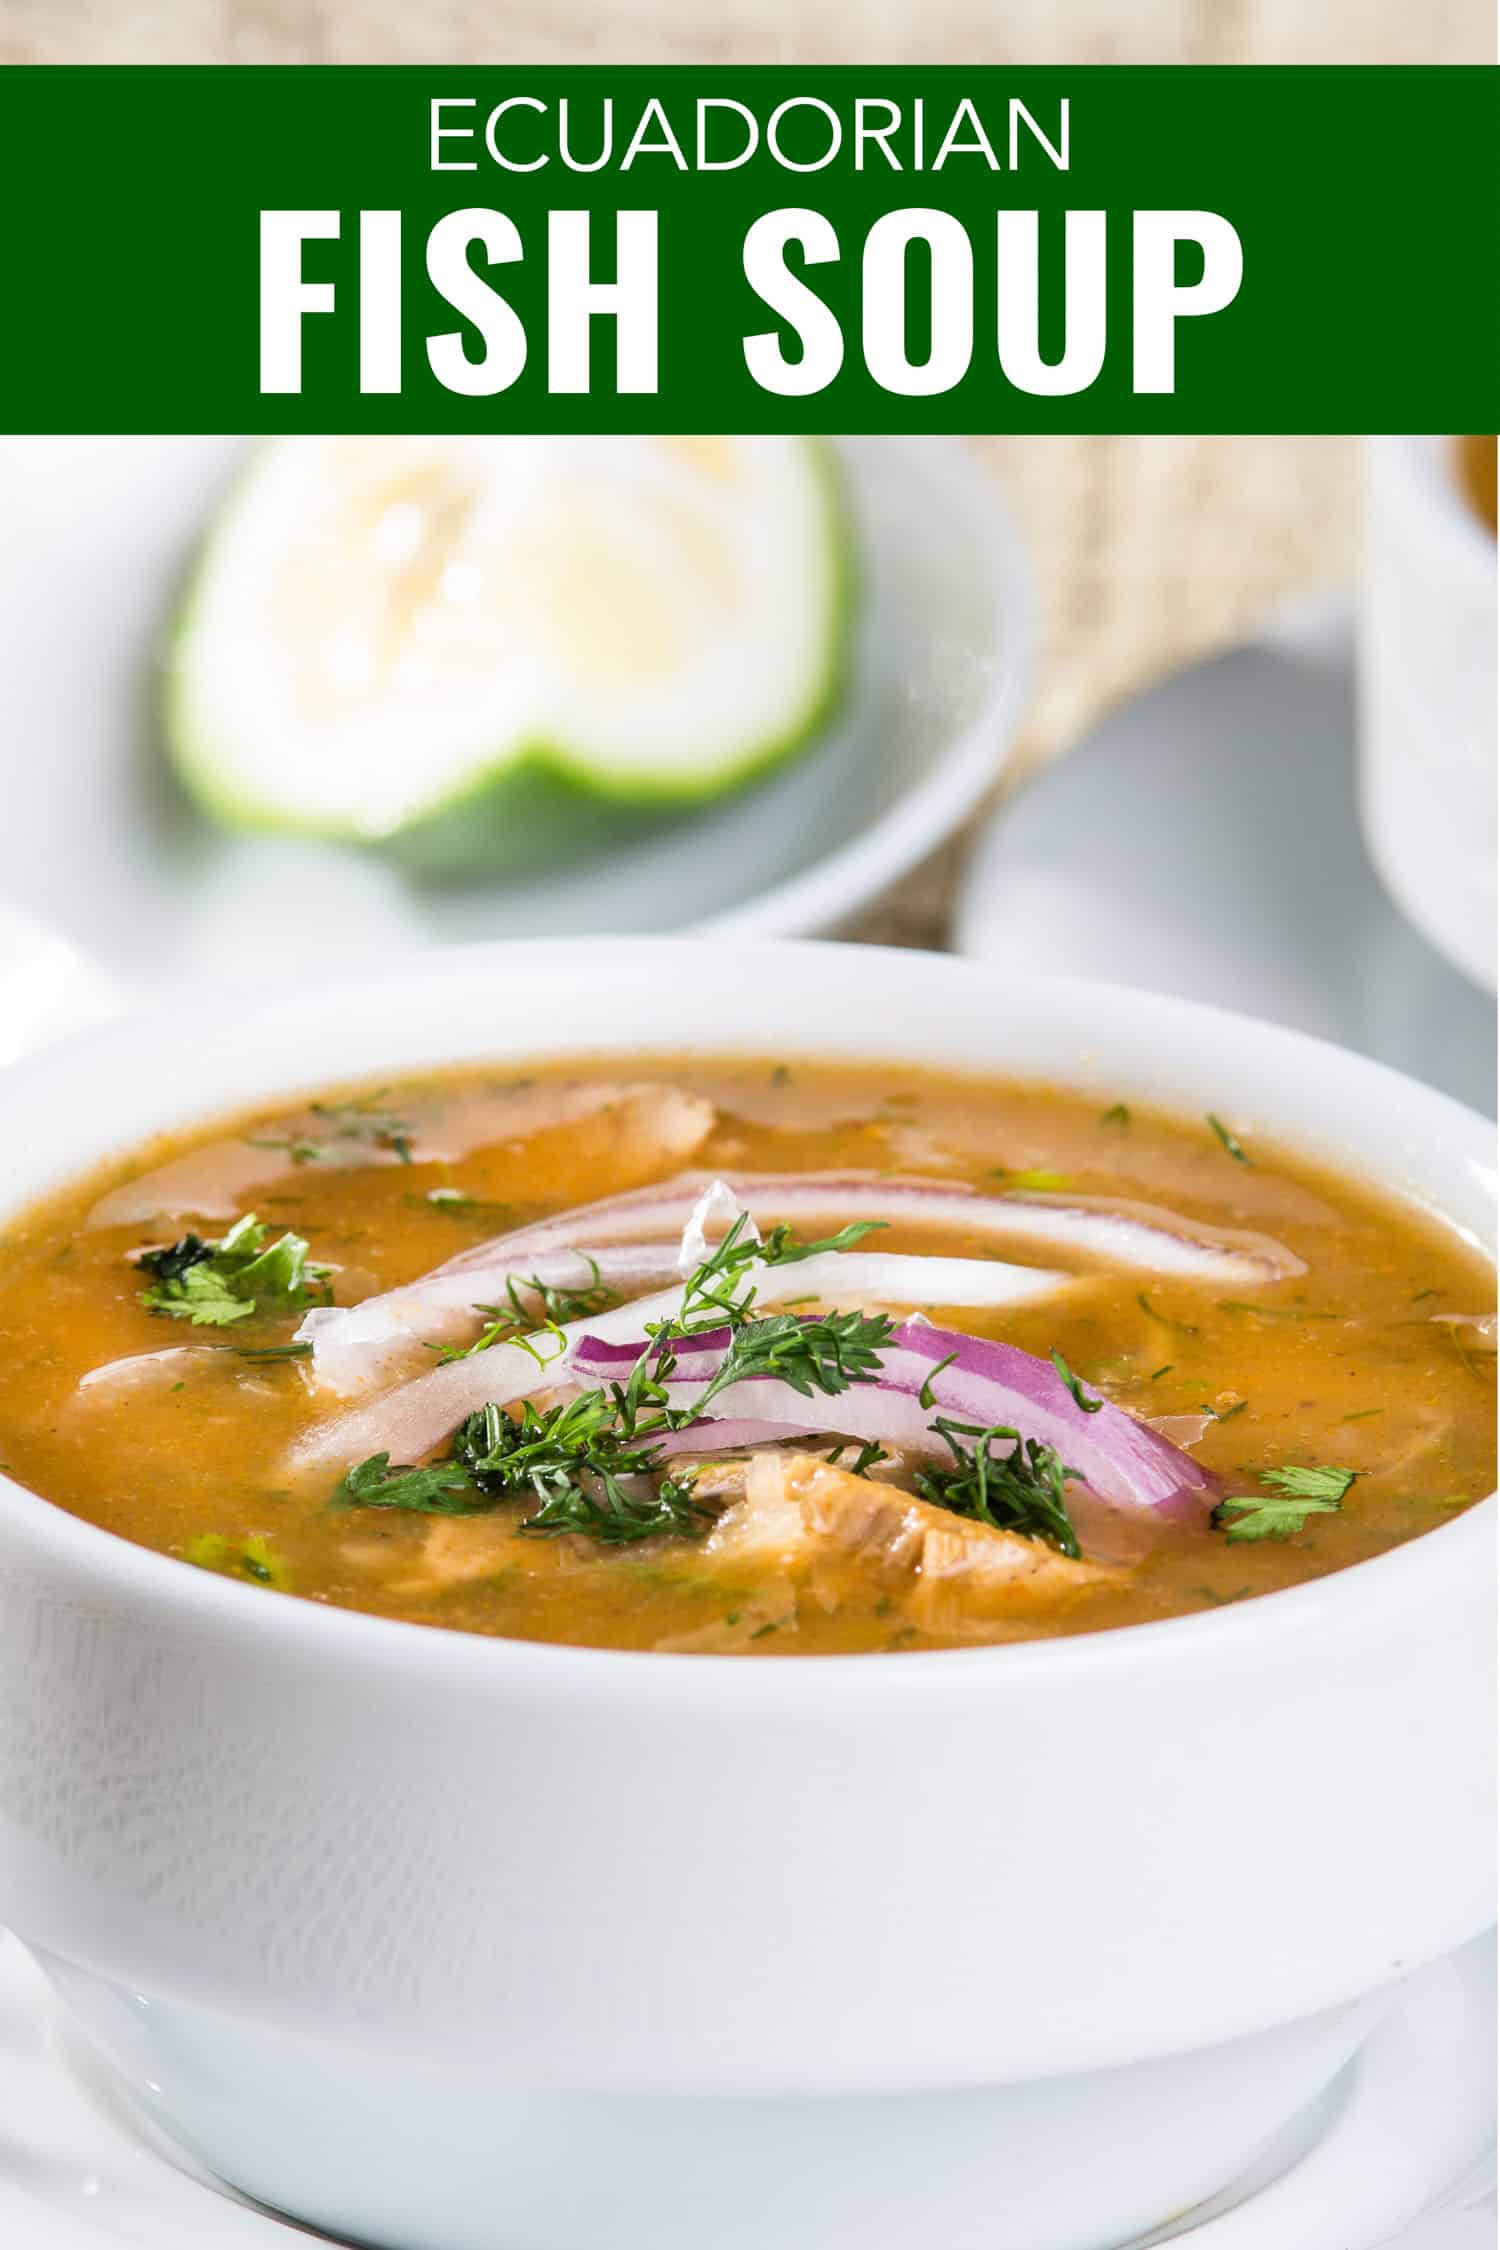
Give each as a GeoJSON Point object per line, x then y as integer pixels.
{"type": "Point", "coordinates": [1427, 711]}
{"type": "Point", "coordinates": [448, 1943]}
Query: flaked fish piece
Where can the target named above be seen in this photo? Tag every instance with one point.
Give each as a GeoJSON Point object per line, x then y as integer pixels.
{"type": "Point", "coordinates": [969, 1573]}
{"type": "Point", "coordinates": [651, 1128]}
{"type": "Point", "coordinates": [766, 1529]}
{"type": "Point", "coordinates": [803, 1515]}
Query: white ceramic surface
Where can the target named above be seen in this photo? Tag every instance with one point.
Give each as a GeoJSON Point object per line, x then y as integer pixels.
{"type": "Point", "coordinates": [1427, 697]}
{"type": "Point", "coordinates": [1404, 2131]}
{"type": "Point", "coordinates": [336, 1893]}
{"type": "Point", "coordinates": [98, 839]}
{"type": "Point", "coordinates": [1203, 840]}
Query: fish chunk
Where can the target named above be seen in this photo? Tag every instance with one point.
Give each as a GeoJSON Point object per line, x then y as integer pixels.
{"type": "Point", "coordinates": [842, 1532]}
{"type": "Point", "coordinates": [639, 1129]}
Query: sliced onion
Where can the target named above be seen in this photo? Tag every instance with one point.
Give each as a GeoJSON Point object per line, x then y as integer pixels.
{"type": "Point", "coordinates": [407, 1423]}
{"type": "Point", "coordinates": [364, 1347]}
{"type": "Point", "coordinates": [371, 1344]}
{"type": "Point", "coordinates": [1113, 1230]}
{"type": "Point", "coordinates": [367, 1346]}
{"type": "Point", "coordinates": [927, 1372]}
{"type": "Point", "coordinates": [719, 1434]}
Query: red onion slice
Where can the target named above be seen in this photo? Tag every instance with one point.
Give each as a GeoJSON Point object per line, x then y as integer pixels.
{"type": "Point", "coordinates": [928, 1371]}
{"type": "Point", "coordinates": [1115, 1231]}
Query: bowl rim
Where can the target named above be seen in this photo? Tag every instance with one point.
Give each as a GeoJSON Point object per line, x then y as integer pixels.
{"type": "Point", "coordinates": [1348, 1602]}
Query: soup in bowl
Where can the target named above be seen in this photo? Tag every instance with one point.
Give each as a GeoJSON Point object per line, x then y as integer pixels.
{"type": "Point", "coordinates": [415, 1420]}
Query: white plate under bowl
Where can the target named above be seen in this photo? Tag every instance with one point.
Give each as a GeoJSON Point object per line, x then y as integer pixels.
{"type": "Point", "coordinates": [1405, 2131]}
{"type": "Point", "coordinates": [99, 841]}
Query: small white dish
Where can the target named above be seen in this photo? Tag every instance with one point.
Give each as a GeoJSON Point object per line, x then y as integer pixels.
{"type": "Point", "coordinates": [100, 841]}
{"type": "Point", "coordinates": [1204, 840]}
{"type": "Point", "coordinates": [1399, 2136]}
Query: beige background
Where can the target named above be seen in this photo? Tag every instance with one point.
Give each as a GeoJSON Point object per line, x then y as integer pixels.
{"type": "Point", "coordinates": [1148, 550]}
{"type": "Point", "coordinates": [719, 31]}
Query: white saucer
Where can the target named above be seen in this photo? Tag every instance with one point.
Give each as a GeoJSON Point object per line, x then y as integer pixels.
{"type": "Point", "coordinates": [100, 844]}
{"type": "Point", "coordinates": [1405, 2131]}
{"type": "Point", "coordinates": [1203, 841]}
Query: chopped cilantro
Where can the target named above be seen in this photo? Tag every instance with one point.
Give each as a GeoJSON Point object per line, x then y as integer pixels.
{"type": "Point", "coordinates": [215, 1284]}
{"type": "Point", "coordinates": [1297, 1493]}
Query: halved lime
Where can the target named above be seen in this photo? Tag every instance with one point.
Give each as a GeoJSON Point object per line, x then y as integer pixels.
{"type": "Point", "coordinates": [481, 650]}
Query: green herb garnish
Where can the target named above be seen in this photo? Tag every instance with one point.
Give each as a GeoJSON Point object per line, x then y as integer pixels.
{"type": "Point", "coordinates": [507, 1323]}
{"type": "Point", "coordinates": [1231, 1145]}
{"type": "Point", "coordinates": [1116, 1114]}
{"type": "Point", "coordinates": [252, 1559]}
{"type": "Point", "coordinates": [214, 1284]}
{"type": "Point", "coordinates": [781, 1249]}
{"type": "Point", "coordinates": [1297, 1494]}
{"type": "Point", "coordinates": [592, 1465]}
{"type": "Point", "coordinates": [1080, 1395]}
{"type": "Point", "coordinates": [867, 1458]}
{"type": "Point", "coordinates": [445, 1489]}
{"type": "Point", "coordinates": [580, 1469]}
{"type": "Point", "coordinates": [1023, 1491]}
{"type": "Point", "coordinates": [927, 1396]}
{"type": "Point", "coordinates": [827, 1354]}
{"type": "Point", "coordinates": [456, 1203]}
{"type": "Point", "coordinates": [360, 1120]}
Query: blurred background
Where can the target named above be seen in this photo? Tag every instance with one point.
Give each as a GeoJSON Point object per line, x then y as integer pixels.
{"type": "Point", "coordinates": [1146, 551]}
{"type": "Point", "coordinates": [754, 31]}
{"type": "Point", "coordinates": [1212, 840]}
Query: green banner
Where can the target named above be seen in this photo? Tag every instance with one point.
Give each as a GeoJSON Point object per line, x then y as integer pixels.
{"type": "Point", "coordinates": [757, 249]}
